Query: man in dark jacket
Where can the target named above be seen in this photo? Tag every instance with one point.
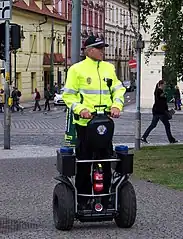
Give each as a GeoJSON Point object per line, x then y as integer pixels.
{"type": "Point", "coordinates": [47, 99]}
{"type": "Point", "coordinates": [160, 109]}
{"type": "Point", "coordinates": [37, 100]}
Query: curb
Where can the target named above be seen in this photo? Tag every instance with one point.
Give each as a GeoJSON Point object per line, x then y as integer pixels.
{"type": "Point", "coordinates": [32, 106]}
{"type": "Point", "coordinates": [53, 154]}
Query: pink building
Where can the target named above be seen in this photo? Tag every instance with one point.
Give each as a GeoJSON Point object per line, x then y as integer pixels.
{"type": "Point", "coordinates": [92, 19]}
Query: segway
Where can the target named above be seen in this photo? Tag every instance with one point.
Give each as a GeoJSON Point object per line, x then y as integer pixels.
{"type": "Point", "coordinates": [121, 196]}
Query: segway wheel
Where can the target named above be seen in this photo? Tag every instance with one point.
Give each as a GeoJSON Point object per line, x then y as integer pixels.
{"type": "Point", "coordinates": [126, 215]}
{"type": "Point", "coordinates": [63, 207]}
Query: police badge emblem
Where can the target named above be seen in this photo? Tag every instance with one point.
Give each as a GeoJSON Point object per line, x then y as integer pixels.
{"type": "Point", "coordinates": [89, 80]}
{"type": "Point", "coordinates": [101, 129]}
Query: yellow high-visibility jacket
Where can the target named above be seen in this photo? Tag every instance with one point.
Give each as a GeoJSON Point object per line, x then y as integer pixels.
{"type": "Point", "coordinates": [86, 87]}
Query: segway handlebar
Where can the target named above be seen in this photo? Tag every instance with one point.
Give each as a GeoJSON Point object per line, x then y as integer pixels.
{"type": "Point", "coordinates": [77, 116]}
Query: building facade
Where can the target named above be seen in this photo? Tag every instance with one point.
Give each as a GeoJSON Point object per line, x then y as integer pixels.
{"type": "Point", "coordinates": [92, 21]}
{"type": "Point", "coordinates": [30, 65]}
{"type": "Point", "coordinates": [119, 36]}
{"type": "Point", "coordinates": [152, 72]}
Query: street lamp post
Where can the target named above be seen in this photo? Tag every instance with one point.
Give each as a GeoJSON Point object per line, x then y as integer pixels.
{"type": "Point", "coordinates": [15, 68]}
{"type": "Point", "coordinates": [125, 28]}
{"type": "Point", "coordinates": [52, 58]}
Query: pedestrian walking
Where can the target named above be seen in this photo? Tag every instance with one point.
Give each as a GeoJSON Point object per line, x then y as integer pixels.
{"type": "Point", "coordinates": [19, 94]}
{"type": "Point", "coordinates": [1, 100]}
{"type": "Point", "coordinates": [37, 100]}
{"type": "Point", "coordinates": [14, 97]}
{"type": "Point", "coordinates": [177, 98]}
{"type": "Point", "coordinates": [47, 99]}
{"type": "Point", "coordinates": [160, 112]}
{"type": "Point", "coordinates": [56, 88]}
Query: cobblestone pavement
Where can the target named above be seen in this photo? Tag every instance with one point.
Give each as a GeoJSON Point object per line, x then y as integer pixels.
{"type": "Point", "coordinates": [40, 129]}
{"type": "Point", "coordinates": [26, 207]}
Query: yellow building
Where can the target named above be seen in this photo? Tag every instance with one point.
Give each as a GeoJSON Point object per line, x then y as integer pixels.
{"type": "Point", "coordinates": [33, 59]}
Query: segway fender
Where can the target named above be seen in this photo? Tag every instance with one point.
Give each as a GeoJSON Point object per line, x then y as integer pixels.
{"type": "Point", "coordinates": [64, 180]}
{"type": "Point", "coordinates": [123, 182]}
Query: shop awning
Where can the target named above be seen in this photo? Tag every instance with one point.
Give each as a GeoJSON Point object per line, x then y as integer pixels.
{"type": "Point", "coordinates": [58, 59]}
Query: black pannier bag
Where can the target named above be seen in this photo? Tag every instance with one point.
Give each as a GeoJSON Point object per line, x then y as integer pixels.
{"type": "Point", "coordinates": [100, 132]}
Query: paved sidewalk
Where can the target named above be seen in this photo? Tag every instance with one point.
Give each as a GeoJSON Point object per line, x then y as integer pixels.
{"type": "Point", "coordinates": [30, 104]}
{"type": "Point", "coordinates": [32, 151]}
{"type": "Point", "coordinates": [132, 109]}
{"type": "Point", "coordinates": [28, 151]}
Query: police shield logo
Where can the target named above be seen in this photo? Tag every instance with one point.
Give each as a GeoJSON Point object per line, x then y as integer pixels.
{"type": "Point", "coordinates": [89, 80]}
{"type": "Point", "coordinates": [101, 129]}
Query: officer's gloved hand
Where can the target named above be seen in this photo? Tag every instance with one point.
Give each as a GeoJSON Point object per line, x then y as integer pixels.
{"type": "Point", "coordinates": [115, 112]}
{"type": "Point", "coordinates": [85, 114]}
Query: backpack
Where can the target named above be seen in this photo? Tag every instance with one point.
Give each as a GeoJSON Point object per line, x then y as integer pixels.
{"type": "Point", "coordinates": [19, 93]}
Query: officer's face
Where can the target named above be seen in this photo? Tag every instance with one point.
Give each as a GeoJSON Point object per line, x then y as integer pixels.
{"type": "Point", "coordinates": [96, 53]}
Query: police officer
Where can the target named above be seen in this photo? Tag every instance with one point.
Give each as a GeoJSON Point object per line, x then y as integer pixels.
{"type": "Point", "coordinates": [86, 86]}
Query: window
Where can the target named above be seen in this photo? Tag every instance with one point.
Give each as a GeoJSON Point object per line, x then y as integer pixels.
{"type": "Point", "coordinates": [112, 13]}
{"type": "Point", "coordinates": [45, 49]}
{"type": "Point", "coordinates": [106, 11]}
{"type": "Point", "coordinates": [135, 20]}
{"type": "Point", "coordinates": [48, 43]}
{"type": "Point", "coordinates": [126, 16]}
{"type": "Point", "coordinates": [33, 43]}
{"type": "Point", "coordinates": [33, 81]}
{"type": "Point", "coordinates": [113, 49]}
{"type": "Point", "coordinates": [121, 41]}
{"type": "Point", "coordinates": [124, 22]}
{"type": "Point", "coordinates": [69, 11]}
{"type": "Point", "coordinates": [101, 22]}
{"type": "Point", "coordinates": [109, 12]}
{"type": "Point", "coordinates": [69, 48]}
{"type": "Point", "coordinates": [117, 15]}
{"type": "Point", "coordinates": [121, 21]}
{"type": "Point", "coordinates": [110, 44]}
{"type": "Point", "coordinates": [90, 20]}
{"type": "Point", "coordinates": [84, 16]}
{"type": "Point", "coordinates": [96, 19]}
{"type": "Point", "coordinates": [19, 81]}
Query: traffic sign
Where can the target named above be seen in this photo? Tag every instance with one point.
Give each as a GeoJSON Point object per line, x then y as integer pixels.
{"type": "Point", "coordinates": [5, 9]}
{"type": "Point", "coordinates": [132, 63]}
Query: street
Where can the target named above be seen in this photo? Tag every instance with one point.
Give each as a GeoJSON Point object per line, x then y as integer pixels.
{"type": "Point", "coordinates": [26, 207]}
{"type": "Point", "coordinates": [27, 183]}
{"type": "Point", "coordinates": [36, 128]}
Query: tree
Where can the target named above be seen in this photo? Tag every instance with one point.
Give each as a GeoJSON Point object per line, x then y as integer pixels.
{"type": "Point", "coordinates": [168, 28]}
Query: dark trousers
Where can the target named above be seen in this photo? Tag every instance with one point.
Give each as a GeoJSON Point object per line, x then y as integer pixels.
{"type": "Point", "coordinates": [83, 152]}
{"type": "Point", "coordinates": [1, 107]}
{"type": "Point", "coordinates": [177, 104]}
{"type": "Point", "coordinates": [37, 105]}
{"type": "Point", "coordinates": [154, 123]}
{"type": "Point", "coordinates": [47, 104]}
{"type": "Point", "coordinates": [16, 105]}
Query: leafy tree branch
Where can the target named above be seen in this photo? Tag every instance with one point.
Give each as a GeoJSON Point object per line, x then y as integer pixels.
{"type": "Point", "coordinates": [168, 28]}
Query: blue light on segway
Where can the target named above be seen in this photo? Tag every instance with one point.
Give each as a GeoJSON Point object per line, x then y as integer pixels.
{"type": "Point", "coordinates": [66, 150]}
{"type": "Point", "coordinates": [122, 149]}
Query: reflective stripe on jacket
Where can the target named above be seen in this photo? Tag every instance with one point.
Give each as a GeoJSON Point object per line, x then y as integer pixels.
{"type": "Point", "coordinates": [86, 87]}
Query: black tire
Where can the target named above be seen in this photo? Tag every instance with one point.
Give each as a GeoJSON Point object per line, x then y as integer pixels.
{"type": "Point", "coordinates": [63, 207]}
{"type": "Point", "coordinates": [127, 206]}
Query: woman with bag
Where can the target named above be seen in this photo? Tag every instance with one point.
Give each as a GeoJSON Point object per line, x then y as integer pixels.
{"type": "Point", "coordinates": [177, 98]}
{"type": "Point", "coordinates": [160, 112]}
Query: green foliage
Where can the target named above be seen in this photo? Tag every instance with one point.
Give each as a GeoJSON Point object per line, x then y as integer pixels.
{"type": "Point", "coordinates": [168, 28]}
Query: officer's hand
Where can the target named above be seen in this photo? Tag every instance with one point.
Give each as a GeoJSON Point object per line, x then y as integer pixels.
{"type": "Point", "coordinates": [85, 114]}
{"type": "Point", "coordinates": [115, 112]}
